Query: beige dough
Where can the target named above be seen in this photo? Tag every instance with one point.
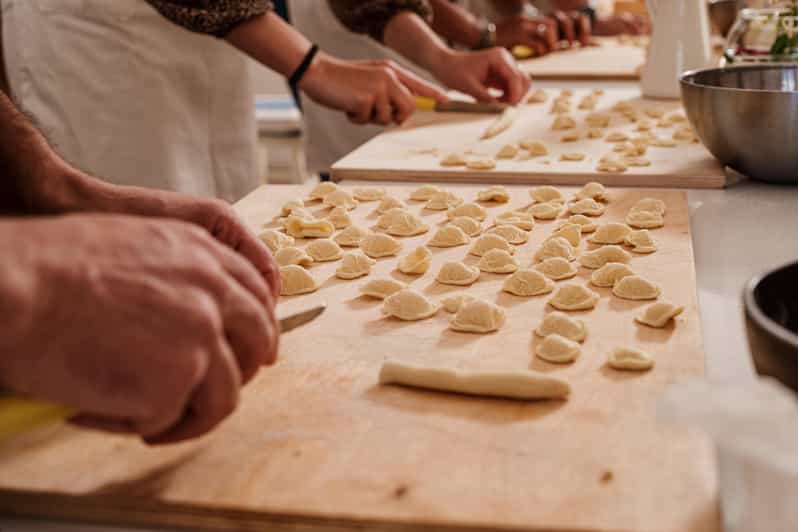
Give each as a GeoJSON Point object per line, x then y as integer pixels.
{"type": "Point", "coordinates": [324, 250]}
{"type": "Point", "coordinates": [508, 151]}
{"type": "Point", "coordinates": [478, 316]}
{"type": "Point", "coordinates": [389, 202]}
{"type": "Point", "coordinates": [635, 288]}
{"type": "Point", "coordinates": [452, 159]}
{"type": "Point", "coordinates": [304, 228]}
{"type": "Point", "coordinates": [498, 261]}
{"type": "Point", "coordinates": [595, 133]}
{"type": "Point", "coordinates": [425, 192]}
{"type": "Point", "coordinates": [566, 93]}
{"type": "Point", "coordinates": [587, 103]}
{"type": "Point", "coordinates": [289, 207]}
{"type": "Point", "coordinates": [340, 198]}
{"type": "Point", "coordinates": [539, 96]}
{"type": "Point", "coordinates": [376, 245]}
{"type": "Point", "coordinates": [659, 314]}
{"type": "Point", "coordinates": [322, 189]}
{"type": "Point", "coordinates": [441, 201]}
{"type": "Point", "coordinates": [351, 236]}
{"type": "Point", "coordinates": [644, 125]}
{"type": "Point", "coordinates": [632, 161]}
{"type": "Point", "coordinates": [560, 107]}
{"type": "Point", "coordinates": [295, 280]}
{"type": "Point", "coordinates": [623, 107]}
{"type": "Point", "coordinates": [527, 283]}
{"type": "Point", "coordinates": [611, 233]}
{"type": "Point", "coordinates": [564, 325]}
{"type": "Point", "coordinates": [485, 243]}
{"type": "Point", "coordinates": [641, 241]}
{"type": "Point", "coordinates": [654, 112]}
{"type": "Point", "coordinates": [586, 225]}
{"type": "Point", "coordinates": [685, 133]}
{"type": "Point", "coordinates": [452, 304]}
{"type": "Point", "coordinates": [403, 223]}
{"type": "Point", "coordinates": [546, 211]}
{"type": "Point", "coordinates": [663, 143]}
{"type": "Point", "coordinates": [496, 193]}
{"type": "Point", "coordinates": [501, 124]}
{"type": "Point", "coordinates": [555, 247]}
{"type": "Point", "coordinates": [629, 359]}
{"type": "Point", "coordinates": [457, 274]}
{"type": "Point", "coordinates": [275, 240]}
{"type": "Point", "coordinates": [522, 220]}
{"type": "Point", "coordinates": [339, 218]}
{"type": "Point", "coordinates": [572, 157]}
{"type": "Point", "coordinates": [449, 236]}
{"type": "Point", "coordinates": [571, 296]}
{"type": "Point", "coordinates": [558, 349]}
{"type": "Point", "coordinates": [481, 163]}
{"type": "Point", "coordinates": [677, 118]}
{"type": "Point", "coordinates": [592, 190]}
{"type": "Point", "coordinates": [654, 205]}
{"type": "Point", "coordinates": [292, 255]}
{"type": "Point", "coordinates": [520, 384]}
{"type": "Point", "coordinates": [534, 148]}
{"type": "Point", "coordinates": [510, 233]}
{"type": "Point", "coordinates": [409, 305]}
{"type": "Point", "coordinates": [571, 232]}
{"type": "Point", "coordinates": [368, 193]}
{"type": "Point", "coordinates": [599, 257]}
{"type": "Point", "coordinates": [616, 136]}
{"type": "Point", "coordinates": [381, 288]}
{"type": "Point", "coordinates": [557, 268]}
{"type": "Point", "coordinates": [598, 120]}
{"type": "Point", "coordinates": [469, 226]}
{"type": "Point", "coordinates": [354, 265]}
{"type": "Point", "coordinates": [388, 217]}
{"type": "Point", "coordinates": [644, 219]}
{"type": "Point", "coordinates": [588, 207]}
{"type": "Point", "coordinates": [609, 274]}
{"type": "Point", "coordinates": [546, 194]}
{"type": "Point", "coordinates": [611, 165]}
{"type": "Point", "coordinates": [570, 137]}
{"type": "Point", "coordinates": [563, 122]}
{"type": "Point", "coordinates": [297, 212]}
{"type": "Point", "coordinates": [416, 262]}
{"type": "Point", "coordinates": [472, 210]}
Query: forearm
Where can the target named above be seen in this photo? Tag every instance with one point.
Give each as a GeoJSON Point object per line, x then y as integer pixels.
{"type": "Point", "coordinates": [409, 34]}
{"type": "Point", "coordinates": [508, 8]}
{"type": "Point", "coordinates": [455, 23]}
{"type": "Point", "coordinates": [271, 42]}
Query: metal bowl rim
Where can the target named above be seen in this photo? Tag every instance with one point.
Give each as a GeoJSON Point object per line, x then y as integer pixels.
{"type": "Point", "coordinates": [684, 78]}
{"type": "Point", "coordinates": [756, 314]}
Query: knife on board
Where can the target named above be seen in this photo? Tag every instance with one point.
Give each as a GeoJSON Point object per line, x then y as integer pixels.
{"type": "Point", "coordinates": [20, 414]}
{"type": "Point", "coordinates": [458, 106]}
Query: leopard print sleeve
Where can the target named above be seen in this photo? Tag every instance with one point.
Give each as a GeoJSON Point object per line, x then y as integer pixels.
{"type": "Point", "coordinates": [214, 17]}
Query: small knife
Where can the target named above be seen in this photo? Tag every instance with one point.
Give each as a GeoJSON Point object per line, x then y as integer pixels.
{"type": "Point", "coordinates": [457, 106]}
{"type": "Point", "coordinates": [20, 414]}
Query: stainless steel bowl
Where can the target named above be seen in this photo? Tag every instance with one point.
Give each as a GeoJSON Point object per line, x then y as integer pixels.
{"type": "Point", "coordinates": [747, 116]}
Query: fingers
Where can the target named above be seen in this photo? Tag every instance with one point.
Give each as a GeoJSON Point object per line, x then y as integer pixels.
{"type": "Point", "coordinates": [582, 27]}
{"type": "Point", "coordinates": [565, 25]}
{"type": "Point", "coordinates": [383, 112]}
{"type": "Point", "coordinates": [515, 82]}
{"type": "Point", "coordinates": [418, 86]}
{"type": "Point", "coordinates": [541, 34]}
{"type": "Point", "coordinates": [364, 108]}
{"type": "Point", "coordinates": [251, 331]}
{"type": "Point", "coordinates": [403, 103]}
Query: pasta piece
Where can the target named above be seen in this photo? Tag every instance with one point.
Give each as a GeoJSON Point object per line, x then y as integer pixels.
{"type": "Point", "coordinates": [472, 210]}
{"type": "Point", "coordinates": [350, 237]}
{"type": "Point", "coordinates": [527, 283]}
{"type": "Point", "coordinates": [291, 205]}
{"type": "Point", "coordinates": [598, 92]}
{"type": "Point", "coordinates": [416, 262]}
{"type": "Point", "coordinates": [546, 211]}
{"type": "Point", "coordinates": [275, 240]}
{"type": "Point", "coordinates": [677, 118]}
{"type": "Point", "coordinates": [452, 159]}
{"type": "Point", "coordinates": [566, 93]}
{"type": "Point", "coordinates": [617, 136]}
{"type": "Point", "coordinates": [501, 124]}
{"type": "Point", "coordinates": [478, 316]}
{"type": "Point", "coordinates": [324, 250]}
{"type": "Point", "coordinates": [381, 288]}
{"type": "Point", "coordinates": [586, 225]}
{"type": "Point", "coordinates": [498, 261]}
{"type": "Point", "coordinates": [592, 190]}
{"type": "Point", "coordinates": [441, 201]}
{"type": "Point", "coordinates": [571, 296]}
{"type": "Point", "coordinates": [339, 218]}
{"type": "Point", "coordinates": [654, 205]}
{"type": "Point", "coordinates": [304, 228]}
{"type": "Point", "coordinates": [635, 288]}
{"type": "Point", "coordinates": [389, 202]}
{"type": "Point", "coordinates": [481, 163]}
{"type": "Point", "coordinates": [644, 125]}
{"type": "Point", "coordinates": [685, 133]}
{"type": "Point", "coordinates": [368, 193]}
{"type": "Point", "coordinates": [598, 120]}
{"type": "Point", "coordinates": [589, 207]}
{"type": "Point", "coordinates": [495, 193]}
{"type": "Point", "coordinates": [623, 107]}
{"type": "Point", "coordinates": [534, 148]}
{"type": "Point", "coordinates": [452, 304]}
{"type": "Point", "coordinates": [508, 151]}
{"type": "Point", "coordinates": [560, 107]}
{"type": "Point", "coordinates": [485, 243]}
{"type": "Point", "coordinates": [572, 156]}
{"type": "Point", "coordinates": [644, 219]}
{"type": "Point", "coordinates": [654, 112]}
{"type": "Point", "coordinates": [409, 305]}
{"type": "Point", "coordinates": [340, 198]}
{"type": "Point", "coordinates": [570, 137]}
{"type": "Point", "coordinates": [659, 314]}
{"type": "Point", "coordinates": [354, 265]}
{"type": "Point", "coordinates": [425, 192]}
{"type": "Point", "coordinates": [546, 194]}
{"type": "Point", "coordinates": [599, 257]}
{"type": "Point", "coordinates": [558, 349]}
{"type": "Point", "coordinates": [292, 255]}
{"type": "Point", "coordinates": [557, 268]}
{"type": "Point", "coordinates": [636, 161]}
{"type": "Point", "coordinates": [641, 241]}
{"type": "Point", "coordinates": [609, 274]}
{"type": "Point", "coordinates": [403, 223]}
{"type": "Point", "coordinates": [629, 359]}
{"type": "Point", "coordinates": [469, 226]}
{"type": "Point", "coordinates": [376, 245]}
{"type": "Point", "coordinates": [522, 220]}
{"type": "Point", "coordinates": [322, 189]}
{"type": "Point", "coordinates": [571, 232]}
{"type": "Point", "coordinates": [611, 165]}
{"type": "Point", "coordinates": [564, 325]}
{"type": "Point", "coordinates": [295, 280]}
{"type": "Point", "coordinates": [562, 123]}
{"type": "Point", "coordinates": [611, 233]}
{"type": "Point", "coordinates": [449, 236]}
{"type": "Point", "coordinates": [510, 233]}
{"type": "Point", "coordinates": [663, 143]}
{"type": "Point", "coordinates": [539, 96]}
{"type": "Point", "coordinates": [504, 384]}
{"type": "Point", "coordinates": [555, 247]}
{"type": "Point", "coordinates": [587, 103]}
{"type": "Point", "coordinates": [595, 133]}
{"type": "Point", "coordinates": [387, 218]}
{"type": "Point", "coordinates": [458, 274]}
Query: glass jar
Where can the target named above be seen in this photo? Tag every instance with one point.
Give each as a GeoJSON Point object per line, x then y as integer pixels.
{"type": "Point", "coordinates": [768, 35]}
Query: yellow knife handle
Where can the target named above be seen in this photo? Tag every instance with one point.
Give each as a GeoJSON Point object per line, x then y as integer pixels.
{"type": "Point", "coordinates": [18, 415]}
{"type": "Point", "coordinates": [425, 104]}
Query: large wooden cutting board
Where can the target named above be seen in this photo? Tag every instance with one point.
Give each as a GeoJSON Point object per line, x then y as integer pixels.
{"type": "Point", "coordinates": [316, 444]}
{"type": "Point", "coordinates": [612, 59]}
{"type": "Point", "coordinates": [412, 152]}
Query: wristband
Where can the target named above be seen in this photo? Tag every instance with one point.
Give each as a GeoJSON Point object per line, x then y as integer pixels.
{"type": "Point", "coordinates": [487, 38]}
{"type": "Point", "coordinates": [296, 76]}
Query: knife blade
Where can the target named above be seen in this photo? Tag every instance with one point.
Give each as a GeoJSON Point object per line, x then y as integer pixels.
{"type": "Point", "coordinates": [301, 318]}
{"type": "Point", "coordinates": [458, 106]}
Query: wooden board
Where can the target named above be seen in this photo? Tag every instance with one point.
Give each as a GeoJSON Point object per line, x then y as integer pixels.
{"type": "Point", "coordinates": [412, 151]}
{"type": "Point", "coordinates": [611, 60]}
{"type": "Point", "coordinates": [316, 444]}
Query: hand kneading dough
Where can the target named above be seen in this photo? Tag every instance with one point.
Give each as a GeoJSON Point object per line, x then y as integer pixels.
{"type": "Point", "coordinates": [388, 202]}
{"type": "Point", "coordinates": [368, 193]}
{"type": "Point", "coordinates": [303, 228]}
{"type": "Point", "coordinates": [339, 218]}
{"type": "Point", "coordinates": [586, 225]}
{"type": "Point", "coordinates": [510, 233]}
{"type": "Point", "coordinates": [497, 261]}
{"type": "Point", "coordinates": [289, 207]}
{"type": "Point", "coordinates": [560, 323]}
{"type": "Point", "coordinates": [453, 159]}
{"type": "Point", "coordinates": [555, 247]}
{"type": "Point", "coordinates": [292, 255]}
{"type": "Point", "coordinates": [485, 243]}
{"type": "Point", "coordinates": [409, 305]}
{"type": "Point", "coordinates": [520, 384]}
{"type": "Point", "coordinates": [425, 192]}
{"type": "Point", "coordinates": [558, 349]}
{"type": "Point", "coordinates": [449, 236]}
{"type": "Point", "coordinates": [376, 245]}
{"type": "Point", "coordinates": [645, 220]}
{"type": "Point", "coordinates": [441, 201]}
{"type": "Point", "coordinates": [405, 223]}
{"type": "Point", "coordinates": [340, 198]}
{"type": "Point", "coordinates": [592, 190]}
{"type": "Point", "coordinates": [351, 236]}
{"type": "Point", "coordinates": [417, 262]}
{"type": "Point", "coordinates": [324, 250]}
{"type": "Point", "coordinates": [629, 359]}
{"type": "Point", "coordinates": [275, 240]}
{"type": "Point", "coordinates": [534, 148]}
{"type": "Point", "coordinates": [611, 233]}
{"type": "Point", "coordinates": [458, 274]}
{"type": "Point", "coordinates": [381, 288]}
{"type": "Point", "coordinates": [478, 316]}
{"type": "Point", "coordinates": [322, 189]}
{"type": "Point", "coordinates": [546, 194]}
{"type": "Point", "coordinates": [599, 257]}
{"type": "Point", "coordinates": [354, 265]}
{"type": "Point", "coordinates": [609, 274]}
{"type": "Point", "coordinates": [522, 220]}
{"type": "Point", "coordinates": [571, 232]}
{"type": "Point", "coordinates": [508, 151]}
{"type": "Point", "coordinates": [481, 163]}
{"type": "Point", "coordinates": [570, 296]}
{"type": "Point", "coordinates": [545, 211]}
{"type": "Point", "coordinates": [659, 314]}
{"type": "Point", "coordinates": [495, 193]}
{"type": "Point", "coordinates": [469, 226]}
{"type": "Point", "coordinates": [641, 241]}
{"type": "Point", "coordinates": [589, 207]}
{"type": "Point", "coordinates": [557, 268]}
{"type": "Point", "coordinates": [296, 280]}
{"type": "Point", "coordinates": [452, 304]}
{"type": "Point", "coordinates": [649, 205]}
{"type": "Point", "coordinates": [635, 288]}
{"type": "Point", "coordinates": [472, 210]}
{"type": "Point", "coordinates": [527, 283]}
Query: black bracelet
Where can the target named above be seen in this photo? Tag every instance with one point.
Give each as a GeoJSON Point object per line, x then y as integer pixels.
{"type": "Point", "coordinates": [296, 77]}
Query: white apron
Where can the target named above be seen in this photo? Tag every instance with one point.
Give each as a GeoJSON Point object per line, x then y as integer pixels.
{"type": "Point", "coordinates": [130, 97]}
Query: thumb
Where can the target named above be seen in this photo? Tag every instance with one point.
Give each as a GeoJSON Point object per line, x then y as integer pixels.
{"type": "Point", "coordinates": [419, 87]}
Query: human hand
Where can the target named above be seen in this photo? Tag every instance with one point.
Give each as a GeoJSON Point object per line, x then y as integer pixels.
{"type": "Point", "coordinates": [379, 92]}
{"type": "Point", "coordinates": [622, 24]}
{"type": "Point", "coordinates": [475, 72]}
{"type": "Point", "coordinates": [573, 26]}
{"type": "Point", "coordinates": [538, 33]}
{"type": "Point", "coordinates": [144, 326]}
